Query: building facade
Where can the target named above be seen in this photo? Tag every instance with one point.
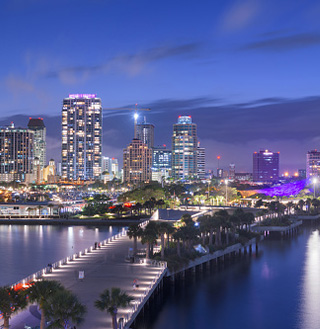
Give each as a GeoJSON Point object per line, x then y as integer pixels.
{"type": "Point", "coordinates": [137, 161]}
{"type": "Point", "coordinates": [109, 169]}
{"type": "Point", "coordinates": [161, 163]}
{"type": "Point", "coordinates": [81, 137]}
{"type": "Point", "coordinates": [201, 162]}
{"type": "Point", "coordinates": [184, 149]}
{"type": "Point", "coordinates": [16, 153]}
{"type": "Point", "coordinates": [39, 140]}
{"type": "Point", "coordinates": [313, 164]}
{"type": "Point", "coordinates": [145, 132]}
{"type": "Point", "coordinates": [265, 166]}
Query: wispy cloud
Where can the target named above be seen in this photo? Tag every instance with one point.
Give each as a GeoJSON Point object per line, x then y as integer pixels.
{"type": "Point", "coordinates": [285, 43]}
{"type": "Point", "coordinates": [130, 64]}
{"type": "Point", "coordinates": [240, 15]}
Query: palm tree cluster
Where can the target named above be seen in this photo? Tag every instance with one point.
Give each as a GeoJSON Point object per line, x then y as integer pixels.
{"type": "Point", "coordinates": [57, 304]}
{"type": "Point", "coordinates": [215, 231]}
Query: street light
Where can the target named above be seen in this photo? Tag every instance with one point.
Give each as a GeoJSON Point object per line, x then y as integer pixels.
{"type": "Point", "coordinates": [314, 181]}
{"type": "Point", "coordinates": [226, 182]}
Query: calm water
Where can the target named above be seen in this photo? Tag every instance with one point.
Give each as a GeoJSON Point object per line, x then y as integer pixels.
{"type": "Point", "coordinates": [278, 288]}
{"type": "Point", "coordinates": [27, 249]}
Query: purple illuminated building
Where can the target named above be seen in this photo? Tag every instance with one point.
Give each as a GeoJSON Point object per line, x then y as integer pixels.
{"type": "Point", "coordinates": [265, 166]}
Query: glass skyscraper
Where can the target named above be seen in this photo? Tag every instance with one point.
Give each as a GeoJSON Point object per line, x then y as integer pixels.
{"type": "Point", "coordinates": [184, 149]}
{"type": "Point", "coordinates": [39, 140]}
{"type": "Point", "coordinates": [265, 166]}
{"type": "Point", "coordinates": [81, 137]}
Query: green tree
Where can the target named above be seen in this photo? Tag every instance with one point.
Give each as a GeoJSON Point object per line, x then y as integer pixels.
{"type": "Point", "coordinates": [11, 301]}
{"type": "Point", "coordinates": [63, 309]}
{"type": "Point", "coordinates": [111, 302]}
{"type": "Point", "coordinates": [39, 292]}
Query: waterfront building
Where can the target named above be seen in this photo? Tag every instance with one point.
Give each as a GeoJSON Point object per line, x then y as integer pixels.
{"type": "Point", "coordinates": [39, 140]}
{"type": "Point", "coordinates": [302, 173]}
{"type": "Point", "coordinates": [161, 163]}
{"type": "Point", "coordinates": [201, 162]}
{"type": "Point", "coordinates": [232, 171]}
{"type": "Point", "coordinates": [184, 149]}
{"type": "Point", "coordinates": [220, 173]}
{"type": "Point", "coordinates": [313, 164]}
{"type": "Point", "coordinates": [81, 137]}
{"type": "Point", "coordinates": [49, 172]}
{"type": "Point", "coordinates": [243, 177]}
{"type": "Point", "coordinates": [265, 166]}
{"type": "Point", "coordinates": [109, 168]}
{"type": "Point", "coordinates": [137, 161]}
{"type": "Point", "coordinates": [145, 132]}
{"type": "Point", "coordinates": [16, 153]}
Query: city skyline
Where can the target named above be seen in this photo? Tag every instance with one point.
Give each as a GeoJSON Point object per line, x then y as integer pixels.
{"type": "Point", "coordinates": [243, 70]}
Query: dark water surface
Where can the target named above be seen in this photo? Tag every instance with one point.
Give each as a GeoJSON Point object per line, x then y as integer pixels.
{"type": "Point", "coordinates": [279, 288]}
{"type": "Point", "coordinates": [25, 249]}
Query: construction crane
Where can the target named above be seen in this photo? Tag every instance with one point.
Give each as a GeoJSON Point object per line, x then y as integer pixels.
{"type": "Point", "coordinates": [135, 109]}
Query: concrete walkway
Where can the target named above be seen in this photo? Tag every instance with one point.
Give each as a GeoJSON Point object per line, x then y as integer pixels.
{"type": "Point", "coordinates": [103, 269]}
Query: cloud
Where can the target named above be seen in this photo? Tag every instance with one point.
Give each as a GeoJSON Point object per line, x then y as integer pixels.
{"type": "Point", "coordinates": [240, 15]}
{"type": "Point", "coordinates": [16, 85]}
{"type": "Point", "coordinates": [285, 43]}
{"type": "Point", "coordinates": [130, 64]}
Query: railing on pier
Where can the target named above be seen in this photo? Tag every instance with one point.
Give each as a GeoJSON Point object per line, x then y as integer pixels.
{"type": "Point", "coordinates": [138, 304]}
{"type": "Point", "coordinates": [46, 270]}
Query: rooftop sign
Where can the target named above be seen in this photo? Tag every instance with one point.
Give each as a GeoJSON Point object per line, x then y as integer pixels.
{"type": "Point", "coordinates": [82, 95]}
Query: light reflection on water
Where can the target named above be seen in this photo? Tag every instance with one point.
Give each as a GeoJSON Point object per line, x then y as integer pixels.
{"type": "Point", "coordinates": [309, 314]}
{"type": "Point", "coordinates": [279, 288]}
{"type": "Point", "coordinates": [27, 249]}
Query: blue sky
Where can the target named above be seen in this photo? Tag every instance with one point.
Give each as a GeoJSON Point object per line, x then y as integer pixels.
{"type": "Point", "coordinates": [215, 60]}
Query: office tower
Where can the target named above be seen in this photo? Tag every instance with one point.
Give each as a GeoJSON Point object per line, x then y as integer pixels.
{"type": "Point", "coordinates": [110, 167]}
{"type": "Point", "coordinates": [313, 164]}
{"type": "Point", "coordinates": [184, 149]}
{"type": "Point", "coordinates": [219, 172]}
{"type": "Point", "coordinates": [232, 171]}
{"type": "Point", "coordinates": [161, 163]}
{"type": "Point", "coordinates": [302, 173]}
{"type": "Point", "coordinates": [201, 162]}
{"type": "Point", "coordinates": [39, 140]}
{"type": "Point", "coordinates": [81, 137]}
{"type": "Point", "coordinates": [137, 160]}
{"type": "Point", "coordinates": [16, 153]}
{"type": "Point", "coordinates": [265, 166]}
{"type": "Point", "coordinates": [145, 132]}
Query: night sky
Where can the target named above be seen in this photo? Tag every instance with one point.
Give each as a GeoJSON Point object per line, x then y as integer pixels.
{"type": "Point", "coordinates": [247, 71]}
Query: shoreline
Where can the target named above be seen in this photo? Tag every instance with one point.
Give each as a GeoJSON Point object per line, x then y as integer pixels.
{"type": "Point", "coordinates": [70, 222]}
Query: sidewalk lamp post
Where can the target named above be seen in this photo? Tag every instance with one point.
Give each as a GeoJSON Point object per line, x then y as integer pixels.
{"type": "Point", "coordinates": [314, 181]}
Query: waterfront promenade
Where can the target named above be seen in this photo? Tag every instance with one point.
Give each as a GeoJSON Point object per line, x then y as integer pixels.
{"type": "Point", "coordinates": [103, 268]}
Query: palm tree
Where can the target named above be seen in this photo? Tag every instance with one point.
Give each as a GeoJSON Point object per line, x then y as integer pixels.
{"type": "Point", "coordinates": [162, 229]}
{"type": "Point", "coordinates": [39, 292]}
{"type": "Point", "coordinates": [63, 308]}
{"type": "Point", "coordinates": [11, 301]}
{"type": "Point", "coordinates": [134, 231]}
{"type": "Point", "coordinates": [149, 237]}
{"type": "Point", "coordinates": [111, 301]}
{"type": "Point", "coordinates": [39, 209]}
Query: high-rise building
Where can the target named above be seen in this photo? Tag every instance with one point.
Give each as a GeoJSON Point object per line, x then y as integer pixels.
{"type": "Point", "coordinates": [201, 162]}
{"type": "Point", "coordinates": [137, 160]}
{"type": "Point", "coordinates": [184, 149]}
{"type": "Point", "coordinates": [232, 171]}
{"type": "Point", "coordinates": [16, 153]}
{"type": "Point", "coordinates": [81, 137]}
{"type": "Point", "coordinates": [145, 132]}
{"type": "Point", "coordinates": [39, 140]}
{"type": "Point", "coordinates": [161, 163]}
{"type": "Point", "coordinates": [313, 164]}
{"type": "Point", "coordinates": [265, 166]}
{"type": "Point", "coordinates": [110, 167]}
